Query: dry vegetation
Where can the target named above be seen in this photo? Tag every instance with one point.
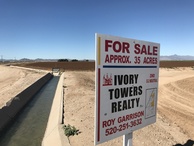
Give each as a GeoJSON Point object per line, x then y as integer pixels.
{"type": "Point", "coordinates": [84, 65]}
{"type": "Point", "coordinates": [169, 64]}
{"type": "Point", "coordinates": [64, 66]}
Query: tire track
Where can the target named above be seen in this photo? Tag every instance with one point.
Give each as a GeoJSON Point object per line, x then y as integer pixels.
{"type": "Point", "coordinates": [176, 104]}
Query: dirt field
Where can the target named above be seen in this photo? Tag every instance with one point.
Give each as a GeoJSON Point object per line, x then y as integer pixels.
{"type": "Point", "coordinates": [171, 64]}
{"type": "Point", "coordinates": [64, 66]}
{"type": "Point", "coordinates": [175, 103]}
{"type": "Point", "coordinates": [14, 80]}
{"type": "Point", "coordinates": [175, 117]}
{"type": "Point", "coordinates": [83, 65]}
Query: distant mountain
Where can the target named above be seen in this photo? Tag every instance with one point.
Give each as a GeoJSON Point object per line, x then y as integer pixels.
{"type": "Point", "coordinates": [45, 60]}
{"type": "Point", "coordinates": [25, 60]}
{"type": "Point", "coordinates": [177, 57]}
{"type": "Point", "coordinates": [171, 57]}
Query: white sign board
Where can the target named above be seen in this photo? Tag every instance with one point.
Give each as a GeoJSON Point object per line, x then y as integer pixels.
{"type": "Point", "coordinates": [126, 86]}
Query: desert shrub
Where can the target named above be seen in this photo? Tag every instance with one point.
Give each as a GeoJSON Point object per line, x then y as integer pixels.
{"type": "Point", "coordinates": [74, 60]}
{"type": "Point", "coordinates": [70, 130]}
{"type": "Point", "coordinates": [63, 60]}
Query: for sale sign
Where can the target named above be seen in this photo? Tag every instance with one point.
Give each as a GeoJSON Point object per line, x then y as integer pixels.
{"type": "Point", "coordinates": [126, 85]}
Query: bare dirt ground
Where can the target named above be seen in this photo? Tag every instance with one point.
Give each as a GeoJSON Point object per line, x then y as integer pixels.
{"type": "Point", "coordinates": [85, 65]}
{"type": "Point", "coordinates": [14, 80]}
{"type": "Point", "coordinates": [175, 117]}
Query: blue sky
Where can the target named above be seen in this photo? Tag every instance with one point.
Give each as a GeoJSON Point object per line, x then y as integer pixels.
{"type": "Point", "coordinates": [66, 28]}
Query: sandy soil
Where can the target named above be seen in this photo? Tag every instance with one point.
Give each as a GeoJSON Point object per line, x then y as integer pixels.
{"type": "Point", "coordinates": [175, 118]}
{"type": "Point", "coordinates": [14, 80]}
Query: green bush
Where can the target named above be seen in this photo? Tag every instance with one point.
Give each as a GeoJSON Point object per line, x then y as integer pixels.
{"type": "Point", "coordinates": [70, 130]}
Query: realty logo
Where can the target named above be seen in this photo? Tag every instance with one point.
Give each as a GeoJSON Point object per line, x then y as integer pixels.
{"type": "Point", "coordinates": [107, 80]}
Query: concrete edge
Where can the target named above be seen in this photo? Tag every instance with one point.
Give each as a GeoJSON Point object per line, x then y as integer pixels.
{"type": "Point", "coordinates": [9, 112]}
{"type": "Point", "coordinates": [54, 134]}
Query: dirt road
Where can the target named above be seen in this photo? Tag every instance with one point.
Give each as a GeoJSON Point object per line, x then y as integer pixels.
{"type": "Point", "coordinates": [175, 117]}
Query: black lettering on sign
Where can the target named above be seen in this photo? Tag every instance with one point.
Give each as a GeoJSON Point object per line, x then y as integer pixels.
{"type": "Point", "coordinates": [125, 105]}
{"type": "Point", "coordinates": [125, 79]}
{"type": "Point", "coordinates": [125, 92]}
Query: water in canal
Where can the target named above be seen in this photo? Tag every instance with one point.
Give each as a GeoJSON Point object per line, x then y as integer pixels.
{"type": "Point", "coordinates": [29, 127]}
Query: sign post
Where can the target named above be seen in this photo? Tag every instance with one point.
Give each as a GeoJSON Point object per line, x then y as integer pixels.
{"type": "Point", "coordinates": [127, 139]}
{"type": "Point", "coordinates": [127, 73]}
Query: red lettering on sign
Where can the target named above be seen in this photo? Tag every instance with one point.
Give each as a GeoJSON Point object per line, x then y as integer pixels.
{"type": "Point", "coordinates": [107, 44]}
{"type": "Point", "coordinates": [108, 123]}
{"type": "Point", "coordinates": [155, 50]}
{"type": "Point", "coordinates": [117, 46]}
{"type": "Point", "coordinates": [147, 50]}
{"type": "Point", "coordinates": [152, 75]}
{"type": "Point", "coordinates": [117, 59]}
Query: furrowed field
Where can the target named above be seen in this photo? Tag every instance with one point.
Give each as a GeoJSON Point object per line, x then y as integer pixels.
{"type": "Point", "coordinates": [84, 65]}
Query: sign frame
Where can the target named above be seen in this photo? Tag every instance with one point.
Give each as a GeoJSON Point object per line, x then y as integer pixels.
{"type": "Point", "coordinates": [127, 72]}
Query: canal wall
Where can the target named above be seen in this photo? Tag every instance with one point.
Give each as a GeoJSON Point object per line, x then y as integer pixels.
{"type": "Point", "coordinates": [9, 112]}
{"type": "Point", "coordinates": [54, 134]}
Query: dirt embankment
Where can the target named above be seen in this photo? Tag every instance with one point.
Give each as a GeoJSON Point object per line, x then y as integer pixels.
{"type": "Point", "coordinates": [79, 105]}
{"type": "Point", "coordinates": [174, 118]}
{"type": "Point", "coordinates": [13, 81]}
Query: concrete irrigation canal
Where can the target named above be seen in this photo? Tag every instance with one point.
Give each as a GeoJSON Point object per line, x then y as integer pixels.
{"type": "Point", "coordinates": [28, 128]}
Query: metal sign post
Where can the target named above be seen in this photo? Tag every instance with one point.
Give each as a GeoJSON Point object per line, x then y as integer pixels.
{"type": "Point", "coordinates": [127, 139]}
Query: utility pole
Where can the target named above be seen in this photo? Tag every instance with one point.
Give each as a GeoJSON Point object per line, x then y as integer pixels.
{"type": "Point", "coordinates": [1, 58]}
